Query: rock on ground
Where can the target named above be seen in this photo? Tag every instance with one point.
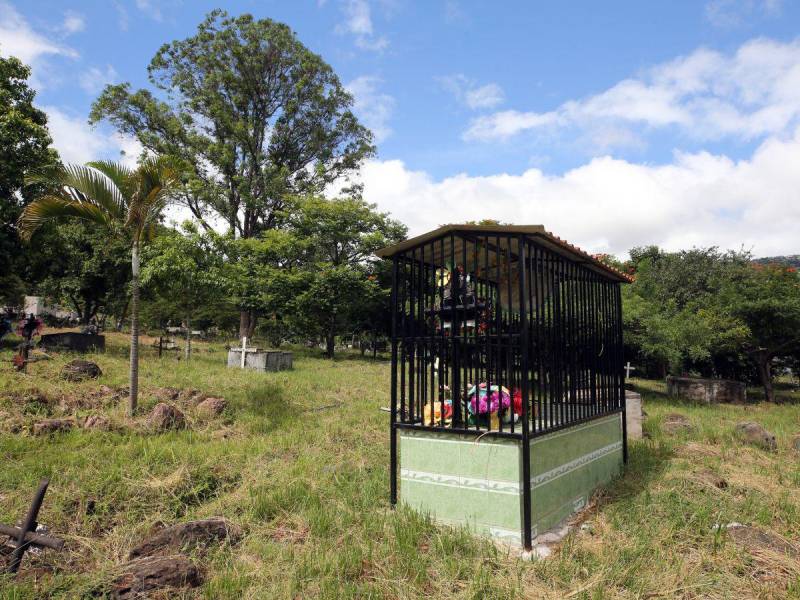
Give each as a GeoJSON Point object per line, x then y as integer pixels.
{"type": "Point", "coordinates": [79, 370]}
{"type": "Point", "coordinates": [796, 442]}
{"type": "Point", "coordinates": [166, 393]}
{"type": "Point", "coordinates": [753, 538]}
{"type": "Point", "coordinates": [153, 573]}
{"type": "Point", "coordinates": [212, 407]}
{"type": "Point", "coordinates": [190, 396]}
{"type": "Point", "coordinates": [675, 422]}
{"type": "Point", "coordinates": [51, 426]}
{"type": "Point", "coordinates": [166, 417]}
{"type": "Point", "coordinates": [754, 433]}
{"type": "Point", "coordinates": [711, 478]}
{"type": "Point", "coordinates": [97, 422]}
{"type": "Point", "coordinates": [189, 536]}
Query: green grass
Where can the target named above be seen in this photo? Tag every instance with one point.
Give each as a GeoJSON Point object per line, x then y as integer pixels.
{"type": "Point", "coordinates": [310, 489]}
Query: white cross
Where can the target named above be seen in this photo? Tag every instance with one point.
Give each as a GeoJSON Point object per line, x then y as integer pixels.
{"type": "Point", "coordinates": [628, 369]}
{"type": "Point", "coordinates": [244, 350]}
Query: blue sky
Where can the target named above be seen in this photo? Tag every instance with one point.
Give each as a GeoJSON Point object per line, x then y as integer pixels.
{"type": "Point", "coordinates": [615, 124]}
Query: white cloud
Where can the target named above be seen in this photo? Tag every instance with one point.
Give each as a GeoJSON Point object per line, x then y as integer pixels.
{"type": "Point", "coordinates": [122, 16]}
{"type": "Point", "coordinates": [470, 93]}
{"type": "Point", "coordinates": [358, 23]}
{"type": "Point", "coordinates": [373, 107]}
{"type": "Point", "coordinates": [18, 39]}
{"type": "Point", "coordinates": [485, 96]}
{"type": "Point", "coordinates": [150, 8]}
{"type": "Point", "coordinates": [732, 13]}
{"type": "Point", "coordinates": [73, 23]}
{"type": "Point", "coordinates": [706, 95]}
{"type": "Point", "coordinates": [610, 205]}
{"type": "Point", "coordinates": [506, 123]}
{"type": "Point", "coordinates": [95, 79]}
{"type": "Point", "coordinates": [77, 142]}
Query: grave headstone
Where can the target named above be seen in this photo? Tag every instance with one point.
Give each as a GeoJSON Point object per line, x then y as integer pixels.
{"type": "Point", "coordinates": [71, 340]}
{"type": "Point", "coordinates": [707, 391]}
{"type": "Point", "coordinates": [246, 357]}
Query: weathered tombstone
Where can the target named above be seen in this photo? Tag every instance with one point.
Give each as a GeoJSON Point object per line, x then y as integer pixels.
{"type": "Point", "coordinates": [633, 415]}
{"type": "Point", "coordinates": [273, 361]}
{"type": "Point", "coordinates": [76, 342]}
{"type": "Point", "coordinates": [707, 391]}
{"type": "Point", "coordinates": [246, 357]}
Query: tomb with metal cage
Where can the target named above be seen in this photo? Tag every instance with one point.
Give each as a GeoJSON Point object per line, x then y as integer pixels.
{"type": "Point", "coordinates": [508, 401]}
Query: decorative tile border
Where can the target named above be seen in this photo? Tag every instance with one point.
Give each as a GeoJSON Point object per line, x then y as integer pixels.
{"type": "Point", "coordinates": [458, 481]}
{"type": "Point", "coordinates": [561, 470]}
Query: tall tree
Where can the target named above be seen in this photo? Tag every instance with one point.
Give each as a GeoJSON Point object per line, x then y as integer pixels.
{"type": "Point", "coordinates": [672, 314]}
{"type": "Point", "coordinates": [766, 298]}
{"type": "Point", "coordinates": [127, 202]}
{"type": "Point", "coordinates": [256, 115]}
{"type": "Point", "coordinates": [24, 147]}
{"type": "Point", "coordinates": [186, 267]}
{"type": "Point", "coordinates": [342, 285]}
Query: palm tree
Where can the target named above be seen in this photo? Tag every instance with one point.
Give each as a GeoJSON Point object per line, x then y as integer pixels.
{"type": "Point", "coordinates": [127, 202]}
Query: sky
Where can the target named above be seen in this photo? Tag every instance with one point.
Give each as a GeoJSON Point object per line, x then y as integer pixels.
{"type": "Point", "coordinates": [614, 124]}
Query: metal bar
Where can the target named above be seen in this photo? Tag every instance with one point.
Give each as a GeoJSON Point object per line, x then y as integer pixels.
{"type": "Point", "coordinates": [526, 449]}
{"type": "Point", "coordinates": [559, 350]}
{"type": "Point", "coordinates": [537, 294]}
{"type": "Point", "coordinates": [28, 525]}
{"type": "Point", "coordinates": [32, 538]}
{"type": "Point", "coordinates": [620, 377]}
{"type": "Point", "coordinates": [393, 416]}
{"type": "Point", "coordinates": [460, 430]}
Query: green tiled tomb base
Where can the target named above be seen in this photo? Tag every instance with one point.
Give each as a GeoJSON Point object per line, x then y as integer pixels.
{"type": "Point", "coordinates": [478, 484]}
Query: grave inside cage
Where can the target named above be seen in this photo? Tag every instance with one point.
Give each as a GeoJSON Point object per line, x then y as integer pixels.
{"type": "Point", "coordinates": [507, 387]}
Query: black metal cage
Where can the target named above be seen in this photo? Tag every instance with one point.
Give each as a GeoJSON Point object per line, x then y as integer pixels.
{"type": "Point", "coordinates": [502, 330]}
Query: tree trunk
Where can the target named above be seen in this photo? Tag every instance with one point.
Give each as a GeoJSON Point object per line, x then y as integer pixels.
{"type": "Point", "coordinates": [121, 319]}
{"type": "Point", "coordinates": [763, 360]}
{"type": "Point", "coordinates": [330, 342]}
{"type": "Point", "coordinates": [188, 339]}
{"type": "Point", "coordinates": [134, 382]}
{"type": "Point", "coordinates": [247, 324]}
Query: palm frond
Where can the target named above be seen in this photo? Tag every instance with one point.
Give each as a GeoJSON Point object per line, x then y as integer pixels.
{"type": "Point", "coordinates": [57, 206]}
{"type": "Point", "coordinates": [97, 187]}
{"type": "Point", "coordinates": [84, 184]}
{"type": "Point", "coordinates": [120, 174]}
{"type": "Point", "coordinates": [156, 182]}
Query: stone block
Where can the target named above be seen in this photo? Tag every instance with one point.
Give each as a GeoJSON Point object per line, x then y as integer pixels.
{"type": "Point", "coordinates": [633, 415]}
{"type": "Point", "coordinates": [76, 342]}
{"type": "Point", "coordinates": [260, 360]}
{"type": "Point", "coordinates": [707, 391]}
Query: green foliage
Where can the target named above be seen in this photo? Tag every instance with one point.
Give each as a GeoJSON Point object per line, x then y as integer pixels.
{"type": "Point", "coordinates": [767, 300]}
{"type": "Point", "coordinates": [343, 285]}
{"type": "Point", "coordinates": [254, 114]}
{"type": "Point", "coordinates": [24, 147]}
{"type": "Point", "coordinates": [84, 268]}
{"type": "Point", "coordinates": [184, 269]}
{"type": "Point", "coordinates": [717, 313]}
{"type": "Point", "coordinates": [672, 312]}
{"type": "Point", "coordinates": [264, 273]}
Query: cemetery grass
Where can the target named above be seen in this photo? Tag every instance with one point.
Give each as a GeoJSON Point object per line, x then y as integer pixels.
{"type": "Point", "coordinates": [309, 486]}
